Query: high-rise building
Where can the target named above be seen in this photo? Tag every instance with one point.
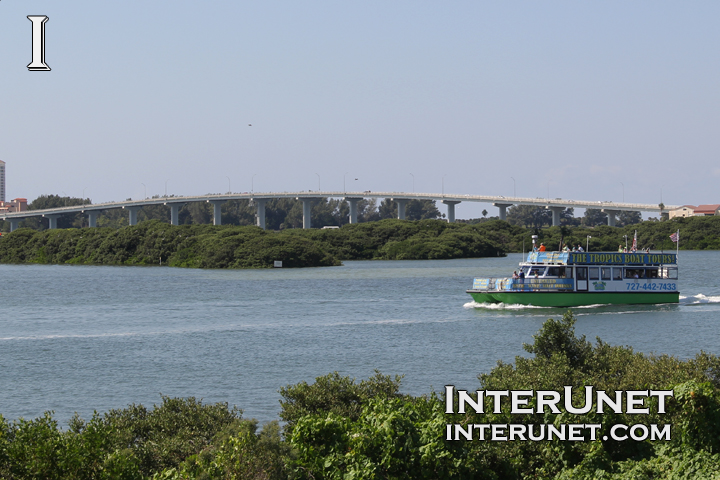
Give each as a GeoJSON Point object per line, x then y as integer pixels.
{"type": "Point", "coordinates": [2, 181]}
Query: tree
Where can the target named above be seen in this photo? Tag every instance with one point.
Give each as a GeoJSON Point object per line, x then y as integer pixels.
{"type": "Point", "coordinates": [529, 215]}
{"type": "Point", "coordinates": [628, 218]}
{"type": "Point", "coordinates": [567, 217]}
{"type": "Point", "coordinates": [414, 210]}
{"type": "Point", "coordinates": [594, 217]}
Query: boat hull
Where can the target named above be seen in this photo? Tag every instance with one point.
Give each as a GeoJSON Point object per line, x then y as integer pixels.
{"type": "Point", "coordinates": [574, 299]}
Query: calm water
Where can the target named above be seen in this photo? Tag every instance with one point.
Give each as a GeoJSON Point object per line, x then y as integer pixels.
{"type": "Point", "coordinates": [76, 338]}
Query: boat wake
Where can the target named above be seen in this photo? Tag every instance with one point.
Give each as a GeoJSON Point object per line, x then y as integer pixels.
{"type": "Point", "coordinates": [501, 306]}
{"type": "Point", "coordinates": [699, 299]}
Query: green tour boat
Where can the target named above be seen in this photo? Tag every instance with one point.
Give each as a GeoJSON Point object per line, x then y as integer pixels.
{"type": "Point", "coordinates": [570, 279]}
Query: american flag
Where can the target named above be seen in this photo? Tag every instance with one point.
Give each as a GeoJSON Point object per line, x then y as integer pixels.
{"type": "Point", "coordinates": [675, 236]}
{"type": "Point", "coordinates": [634, 245]}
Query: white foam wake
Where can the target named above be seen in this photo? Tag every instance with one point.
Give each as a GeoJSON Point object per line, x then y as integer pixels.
{"type": "Point", "coordinates": [500, 306]}
{"type": "Point", "coordinates": [698, 299]}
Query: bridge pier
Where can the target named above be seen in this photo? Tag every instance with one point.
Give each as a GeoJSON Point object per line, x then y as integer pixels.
{"type": "Point", "coordinates": [260, 215]}
{"type": "Point", "coordinates": [353, 208]}
{"type": "Point", "coordinates": [132, 214]}
{"type": "Point", "coordinates": [52, 221]}
{"type": "Point", "coordinates": [451, 209]}
{"type": "Point", "coordinates": [401, 203]}
{"type": "Point", "coordinates": [92, 218]}
{"type": "Point", "coordinates": [503, 209]}
{"type": "Point", "coordinates": [217, 211]}
{"type": "Point", "coordinates": [14, 224]}
{"type": "Point", "coordinates": [174, 213]}
{"type": "Point", "coordinates": [556, 215]}
{"type": "Point", "coordinates": [611, 216]}
{"type": "Point", "coordinates": [307, 212]}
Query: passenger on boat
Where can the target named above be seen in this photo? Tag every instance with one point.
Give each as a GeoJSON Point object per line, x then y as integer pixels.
{"type": "Point", "coordinates": [542, 247]}
{"type": "Point", "coordinates": [565, 248]}
{"type": "Point", "coordinates": [580, 249]}
{"type": "Point", "coordinates": [515, 275]}
{"type": "Point", "coordinates": [620, 249]}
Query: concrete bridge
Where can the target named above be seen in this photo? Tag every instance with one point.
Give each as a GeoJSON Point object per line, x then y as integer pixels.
{"type": "Point", "coordinates": [556, 205]}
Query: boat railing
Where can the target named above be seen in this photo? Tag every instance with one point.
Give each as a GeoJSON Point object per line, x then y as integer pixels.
{"type": "Point", "coordinates": [523, 284]}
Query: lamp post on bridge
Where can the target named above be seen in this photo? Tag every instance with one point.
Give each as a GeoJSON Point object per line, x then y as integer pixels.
{"type": "Point", "coordinates": [318, 175]}
{"type": "Point", "coordinates": [514, 191]}
{"type": "Point", "coordinates": [145, 191]}
{"type": "Point", "coordinates": [229, 188]}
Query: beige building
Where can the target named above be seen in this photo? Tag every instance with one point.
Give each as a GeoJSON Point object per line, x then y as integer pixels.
{"type": "Point", "coordinates": [684, 211]}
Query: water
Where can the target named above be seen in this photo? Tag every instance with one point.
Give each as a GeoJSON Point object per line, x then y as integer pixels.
{"type": "Point", "coordinates": [81, 338]}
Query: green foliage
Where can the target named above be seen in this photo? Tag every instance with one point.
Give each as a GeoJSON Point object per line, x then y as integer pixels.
{"type": "Point", "coordinates": [557, 337]}
{"type": "Point", "coordinates": [128, 444]}
{"type": "Point", "coordinates": [562, 359]}
{"type": "Point", "coordinates": [391, 438]}
{"type": "Point", "coordinates": [226, 246]}
{"type": "Point", "coordinates": [334, 394]}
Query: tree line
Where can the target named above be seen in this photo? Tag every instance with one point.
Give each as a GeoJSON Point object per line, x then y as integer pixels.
{"type": "Point", "coordinates": [228, 246]}
{"type": "Point", "coordinates": [539, 217]}
{"type": "Point", "coordinates": [337, 428]}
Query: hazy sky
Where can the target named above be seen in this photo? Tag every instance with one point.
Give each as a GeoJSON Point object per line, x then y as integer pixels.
{"type": "Point", "coordinates": [580, 97]}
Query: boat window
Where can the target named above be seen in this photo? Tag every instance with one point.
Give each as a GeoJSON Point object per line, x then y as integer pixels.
{"type": "Point", "coordinates": [555, 271]}
{"type": "Point", "coordinates": [670, 272]}
{"type": "Point", "coordinates": [617, 273]}
{"type": "Point", "coordinates": [605, 273]}
{"type": "Point", "coordinates": [652, 273]}
{"type": "Point", "coordinates": [582, 273]}
{"type": "Point", "coordinates": [593, 273]}
{"type": "Point", "coordinates": [537, 271]}
{"type": "Point", "coordinates": [634, 273]}
{"type": "Point", "coordinates": [568, 272]}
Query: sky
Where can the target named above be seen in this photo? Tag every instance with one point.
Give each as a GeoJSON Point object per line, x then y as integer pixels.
{"type": "Point", "coordinates": [599, 101]}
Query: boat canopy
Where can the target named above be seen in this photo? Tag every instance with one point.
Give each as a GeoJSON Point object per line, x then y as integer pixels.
{"type": "Point", "coordinates": [601, 258]}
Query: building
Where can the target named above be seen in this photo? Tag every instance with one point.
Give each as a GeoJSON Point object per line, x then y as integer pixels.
{"type": "Point", "coordinates": [16, 205]}
{"type": "Point", "coordinates": [2, 181]}
{"type": "Point", "coordinates": [684, 211]}
{"type": "Point", "coordinates": [707, 210]}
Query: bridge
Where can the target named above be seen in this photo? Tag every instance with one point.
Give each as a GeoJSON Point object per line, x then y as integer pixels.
{"type": "Point", "coordinates": [556, 206]}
